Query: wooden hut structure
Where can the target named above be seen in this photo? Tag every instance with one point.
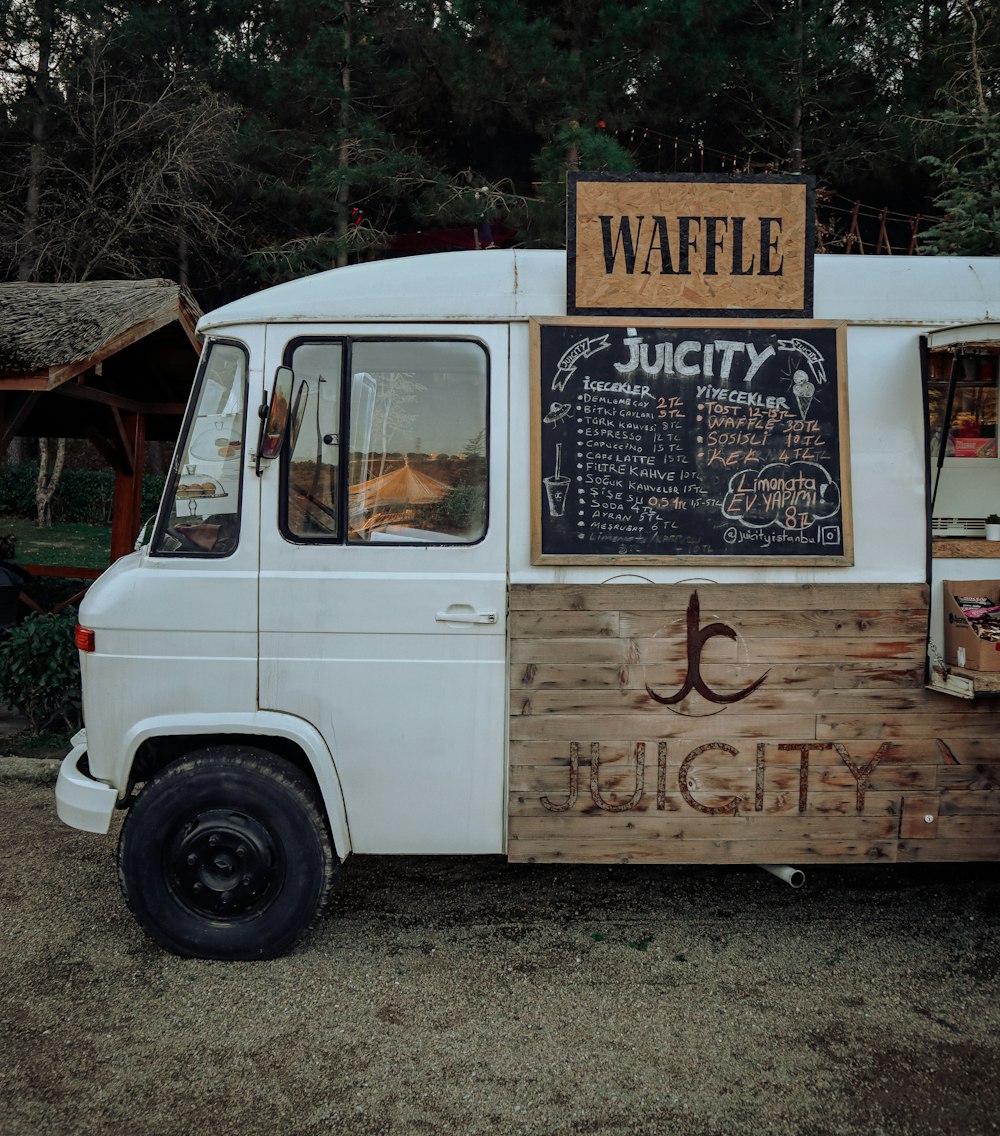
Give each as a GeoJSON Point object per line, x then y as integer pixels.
{"type": "Point", "coordinates": [111, 361]}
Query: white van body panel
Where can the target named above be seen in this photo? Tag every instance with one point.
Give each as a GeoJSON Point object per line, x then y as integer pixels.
{"type": "Point", "coordinates": [172, 636]}
{"type": "Point", "coordinates": [89, 805]}
{"type": "Point", "coordinates": [512, 285]}
{"type": "Point", "coordinates": [82, 802]}
{"type": "Point", "coordinates": [355, 639]}
{"type": "Point", "coordinates": [263, 725]}
{"type": "Point", "coordinates": [402, 714]}
{"type": "Point", "coordinates": [475, 287]}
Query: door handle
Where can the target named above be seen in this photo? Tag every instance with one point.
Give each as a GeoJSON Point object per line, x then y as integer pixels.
{"type": "Point", "coordinates": [462, 613]}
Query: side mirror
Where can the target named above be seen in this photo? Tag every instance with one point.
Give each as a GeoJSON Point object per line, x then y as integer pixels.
{"type": "Point", "coordinates": [272, 432]}
{"type": "Point", "coordinates": [277, 420]}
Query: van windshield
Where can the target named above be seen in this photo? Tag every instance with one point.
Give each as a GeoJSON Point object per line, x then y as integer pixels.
{"type": "Point", "coordinates": [200, 514]}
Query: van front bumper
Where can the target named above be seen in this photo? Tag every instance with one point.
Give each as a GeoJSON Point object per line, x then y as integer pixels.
{"type": "Point", "coordinates": [82, 802]}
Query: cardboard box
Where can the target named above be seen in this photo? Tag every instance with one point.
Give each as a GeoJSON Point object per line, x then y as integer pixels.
{"type": "Point", "coordinates": [980, 654]}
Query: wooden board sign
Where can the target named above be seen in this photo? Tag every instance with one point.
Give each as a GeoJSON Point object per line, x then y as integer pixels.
{"type": "Point", "coordinates": [690, 442]}
{"type": "Point", "coordinates": [676, 244]}
{"type": "Point", "coordinates": [741, 724]}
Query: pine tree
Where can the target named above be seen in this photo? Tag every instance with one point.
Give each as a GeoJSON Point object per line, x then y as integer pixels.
{"type": "Point", "coordinates": [969, 177]}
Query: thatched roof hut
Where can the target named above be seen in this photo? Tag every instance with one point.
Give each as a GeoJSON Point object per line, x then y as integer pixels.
{"type": "Point", "coordinates": [112, 361]}
{"type": "Point", "coordinates": [46, 327]}
{"type": "Point", "coordinates": [135, 337]}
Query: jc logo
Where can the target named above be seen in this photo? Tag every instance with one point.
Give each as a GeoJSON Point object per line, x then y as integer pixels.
{"type": "Point", "coordinates": [697, 637]}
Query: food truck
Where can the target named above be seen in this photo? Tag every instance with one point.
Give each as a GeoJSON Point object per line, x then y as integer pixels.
{"type": "Point", "coordinates": [443, 570]}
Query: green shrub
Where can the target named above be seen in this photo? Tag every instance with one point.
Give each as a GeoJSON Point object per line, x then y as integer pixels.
{"type": "Point", "coordinates": [84, 496]}
{"type": "Point", "coordinates": [17, 490]}
{"type": "Point", "coordinates": [152, 491]}
{"type": "Point", "coordinates": [40, 669]}
{"type": "Point", "coordinates": [52, 590]}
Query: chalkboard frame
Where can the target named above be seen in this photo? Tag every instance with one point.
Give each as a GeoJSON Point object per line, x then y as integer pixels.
{"type": "Point", "coordinates": [541, 555]}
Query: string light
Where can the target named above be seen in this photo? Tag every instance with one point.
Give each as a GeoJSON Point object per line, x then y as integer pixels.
{"type": "Point", "coordinates": [856, 210]}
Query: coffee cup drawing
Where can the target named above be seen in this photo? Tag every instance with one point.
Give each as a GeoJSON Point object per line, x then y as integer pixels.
{"type": "Point", "coordinates": [557, 487]}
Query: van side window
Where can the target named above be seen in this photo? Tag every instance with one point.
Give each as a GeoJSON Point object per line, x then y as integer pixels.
{"type": "Point", "coordinates": [312, 469]}
{"type": "Point", "coordinates": [200, 515]}
{"type": "Point", "coordinates": [418, 442]}
{"type": "Point", "coordinates": [414, 469]}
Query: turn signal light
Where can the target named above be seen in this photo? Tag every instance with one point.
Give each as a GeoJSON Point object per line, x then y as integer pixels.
{"type": "Point", "coordinates": [85, 638]}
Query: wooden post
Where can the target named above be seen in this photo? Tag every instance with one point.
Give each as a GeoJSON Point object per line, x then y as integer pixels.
{"type": "Point", "coordinates": [854, 233]}
{"type": "Point", "coordinates": [883, 234]}
{"type": "Point", "coordinates": [126, 514]}
{"type": "Point", "coordinates": [914, 226]}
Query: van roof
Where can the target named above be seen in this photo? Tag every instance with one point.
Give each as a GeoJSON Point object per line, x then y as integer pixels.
{"type": "Point", "coordinates": [496, 284]}
{"type": "Point", "coordinates": [513, 284]}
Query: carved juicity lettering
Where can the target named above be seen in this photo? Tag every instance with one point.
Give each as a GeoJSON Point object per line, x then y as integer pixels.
{"type": "Point", "coordinates": [661, 776]}
{"type": "Point", "coordinates": [863, 773]}
{"type": "Point", "coordinates": [595, 773]}
{"type": "Point", "coordinates": [731, 807]}
{"type": "Point", "coordinates": [860, 771]}
{"type": "Point", "coordinates": [574, 783]}
{"type": "Point", "coordinates": [804, 749]}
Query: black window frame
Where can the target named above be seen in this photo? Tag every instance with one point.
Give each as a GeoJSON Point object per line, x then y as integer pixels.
{"type": "Point", "coordinates": [347, 343]}
{"type": "Point", "coordinates": [169, 487]}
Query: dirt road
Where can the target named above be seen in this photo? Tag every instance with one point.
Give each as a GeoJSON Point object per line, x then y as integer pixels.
{"type": "Point", "coordinates": [476, 997]}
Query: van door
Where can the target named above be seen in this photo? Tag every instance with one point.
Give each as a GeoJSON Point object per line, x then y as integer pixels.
{"type": "Point", "coordinates": [383, 576]}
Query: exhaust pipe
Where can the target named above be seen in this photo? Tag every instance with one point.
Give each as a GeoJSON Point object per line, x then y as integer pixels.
{"type": "Point", "coordinates": [794, 877]}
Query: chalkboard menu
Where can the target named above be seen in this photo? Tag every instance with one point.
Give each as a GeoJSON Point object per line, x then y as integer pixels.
{"type": "Point", "coordinates": [702, 442]}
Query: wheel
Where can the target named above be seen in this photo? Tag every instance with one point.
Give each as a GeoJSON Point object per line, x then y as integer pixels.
{"type": "Point", "coordinates": [224, 855]}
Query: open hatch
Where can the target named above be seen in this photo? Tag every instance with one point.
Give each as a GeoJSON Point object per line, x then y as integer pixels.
{"type": "Point", "coordinates": [962, 370]}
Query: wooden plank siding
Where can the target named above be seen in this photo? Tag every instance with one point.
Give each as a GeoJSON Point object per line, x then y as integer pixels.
{"type": "Point", "coordinates": [704, 723]}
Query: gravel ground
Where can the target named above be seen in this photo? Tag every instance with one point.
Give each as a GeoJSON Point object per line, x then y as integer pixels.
{"type": "Point", "coordinates": [473, 996]}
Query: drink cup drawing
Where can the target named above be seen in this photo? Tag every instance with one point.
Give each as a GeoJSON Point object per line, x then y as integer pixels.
{"type": "Point", "coordinates": [557, 487]}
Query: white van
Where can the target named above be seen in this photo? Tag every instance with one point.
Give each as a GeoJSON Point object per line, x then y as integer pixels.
{"type": "Point", "coordinates": [338, 638]}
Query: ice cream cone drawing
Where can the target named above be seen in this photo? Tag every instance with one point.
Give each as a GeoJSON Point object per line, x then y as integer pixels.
{"type": "Point", "coordinates": [803, 390]}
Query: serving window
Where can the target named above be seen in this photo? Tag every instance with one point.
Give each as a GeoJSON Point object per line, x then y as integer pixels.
{"type": "Point", "coordinates": [972, 424]}
{"type": "Point", "coordinates": [962, 368]}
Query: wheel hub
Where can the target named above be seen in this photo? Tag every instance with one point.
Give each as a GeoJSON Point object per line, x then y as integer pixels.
{"type": "Point", "coordinates": [224, 864]}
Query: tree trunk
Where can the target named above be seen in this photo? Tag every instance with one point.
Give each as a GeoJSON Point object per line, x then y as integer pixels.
{"type": "Point", "coordinates": [183, 259]}
{"type": "Point", "coordinates": [27, 261]}
{"type": "Point", "coordinates": [342, 210]}
{"type": "Point", "coordinates": [795, 133]}
{"type": "Point", "coordinates": [48, 480]}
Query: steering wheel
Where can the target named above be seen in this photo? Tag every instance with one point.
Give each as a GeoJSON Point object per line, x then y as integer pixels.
{"type": "Point", "coordinates": [185, 541]}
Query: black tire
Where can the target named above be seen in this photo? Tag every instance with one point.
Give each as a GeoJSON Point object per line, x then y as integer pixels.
{"type": "Point", "coordinates": [225, 855]}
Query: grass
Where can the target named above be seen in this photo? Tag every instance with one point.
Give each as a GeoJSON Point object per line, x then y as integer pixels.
{"type": "Point", "coordinates": [36, 743]}
{"type": "Point", "coordinates": [76, 546]}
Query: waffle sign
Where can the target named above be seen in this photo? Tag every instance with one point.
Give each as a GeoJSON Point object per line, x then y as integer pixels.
{"type": "Point", "coordinates": [680, 245]}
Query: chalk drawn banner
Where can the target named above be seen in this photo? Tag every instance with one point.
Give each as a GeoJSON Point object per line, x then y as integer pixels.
{"type": "Point", "coordinates": [693, 442]}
